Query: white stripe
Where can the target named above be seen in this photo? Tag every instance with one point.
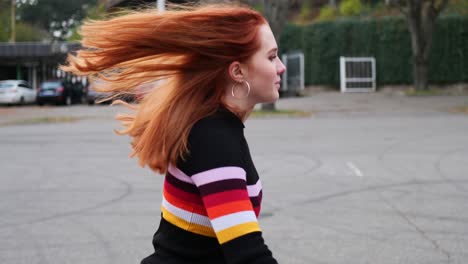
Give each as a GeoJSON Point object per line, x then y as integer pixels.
{"type": "Point", "coordinates": [234, 219]}
{"type": "Point", "coordinates": [186, 215]}
{"type": "Point", "coordinates": [254, 190]}
{"type": "Point", "coordinates": [218, 174]}
{"type": "Point", "coordinates": [179, 174]}
{"type": "Point", "coordinates": [354, 169]}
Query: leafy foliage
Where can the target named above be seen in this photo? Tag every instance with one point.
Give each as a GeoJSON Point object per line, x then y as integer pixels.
{"type": "Point", "coordinates": [95, 12]}
{"type": "Point", "coordinates": [327, 13]}
{"type": "Point", "coordinates": [386, 39]}
{"type": "Point", "coordinates": [24, 31]}
{"type": "Point", "coordinates": [304, 14]}
{"type": "Point", "coordinates": [457, 7]}
{"type": "Point", "coordinates": [56, 16]}
{"type": "Point", "coordinates": [4, 21]}
{"type": "Point", "coordinates": [350, 7]}
{"type": "Point", "coordinates": [27, 32]}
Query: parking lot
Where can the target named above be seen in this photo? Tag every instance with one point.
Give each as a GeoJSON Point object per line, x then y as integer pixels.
{"type": "Point", "coordinates": [367, 178]}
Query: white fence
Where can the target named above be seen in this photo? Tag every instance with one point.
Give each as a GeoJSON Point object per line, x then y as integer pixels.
{"type": "Point", "coordinates": [357, 74]}
{"type": "Point", "coordinates": [293, 77]}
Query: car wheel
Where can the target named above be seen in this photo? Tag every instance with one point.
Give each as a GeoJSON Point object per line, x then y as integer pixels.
{"type": "Point", "coordinates": [21, 101]}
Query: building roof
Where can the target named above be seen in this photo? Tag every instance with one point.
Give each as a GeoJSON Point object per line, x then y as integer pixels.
{"type": "Point", "coordinates": [36, 49]}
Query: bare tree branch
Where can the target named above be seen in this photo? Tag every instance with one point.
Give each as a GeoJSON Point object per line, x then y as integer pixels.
{"type": "Point", "coordinates": [401, 5]}
{"type": "Point", "coordinates": [403, 10]}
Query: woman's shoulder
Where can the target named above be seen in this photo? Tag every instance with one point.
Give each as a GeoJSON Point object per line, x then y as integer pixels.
{"type": "Point", "coordinates": [222, 123]}
{"type": "Point", "coordinates": [214, 141]}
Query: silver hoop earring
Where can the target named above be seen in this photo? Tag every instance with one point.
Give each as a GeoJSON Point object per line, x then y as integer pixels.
{"type": "Point", "coordinates": [248, 90]}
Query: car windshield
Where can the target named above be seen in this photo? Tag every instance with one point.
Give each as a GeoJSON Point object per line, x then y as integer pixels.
{"type": "Point", "coordinates": [51, 85]}
{"type": "Point", "coordinates": [6, 85]}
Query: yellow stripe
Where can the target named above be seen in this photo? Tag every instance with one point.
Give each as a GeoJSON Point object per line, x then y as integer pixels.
{"type": "Point", "coordinates": [191, 227]}
{"type": "Point", "coordinates": [237, 231]}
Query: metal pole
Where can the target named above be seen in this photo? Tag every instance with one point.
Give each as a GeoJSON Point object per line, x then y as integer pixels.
{"type": "Point", "coordinates": [161, 5]}
{"type": "Point", "coordinates": [13, 22]}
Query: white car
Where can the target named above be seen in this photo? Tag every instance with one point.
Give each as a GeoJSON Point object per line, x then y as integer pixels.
{"type": "Point", "coordinates": [16, 92]}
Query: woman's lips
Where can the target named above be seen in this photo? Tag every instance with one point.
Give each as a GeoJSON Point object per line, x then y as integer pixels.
{"type": "Point", "coordinates": [278, 85]}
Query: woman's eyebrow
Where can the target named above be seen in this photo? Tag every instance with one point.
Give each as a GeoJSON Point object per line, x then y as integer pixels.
{"type": "Point", "coordinates": [273, 49]}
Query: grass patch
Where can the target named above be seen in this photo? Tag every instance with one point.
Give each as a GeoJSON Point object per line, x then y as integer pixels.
{"type": "Point", "coordinates": [279, 113]}
{"type": "Point", "coordinates": [460, 109]}
{"type": "Point", "coordinates": [430, 92]}
{"type": "Point", "coordinates": [42, 120]}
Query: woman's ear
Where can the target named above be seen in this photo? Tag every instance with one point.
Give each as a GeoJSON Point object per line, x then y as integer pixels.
{"type": "Point", "coordinates": [237, 71]}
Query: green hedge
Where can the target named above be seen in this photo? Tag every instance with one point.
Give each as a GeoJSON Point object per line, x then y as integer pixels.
{"type": "Point", "coordinates": [291, 39]}
{"type": "Point", "coordinates": [388, 40]}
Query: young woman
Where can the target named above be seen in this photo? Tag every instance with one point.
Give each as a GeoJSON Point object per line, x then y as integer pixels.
{"type": "Point", "coordinates": [212, 64]}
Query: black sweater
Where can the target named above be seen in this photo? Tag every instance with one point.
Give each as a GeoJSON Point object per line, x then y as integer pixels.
{"type": "Point", "coordinates": [211, 200]}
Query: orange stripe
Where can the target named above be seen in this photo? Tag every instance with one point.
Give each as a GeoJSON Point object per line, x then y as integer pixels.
{"type": "Point", "coordinates": [187, 206]}
{"type": "Point", "coordinates": [229, 208]}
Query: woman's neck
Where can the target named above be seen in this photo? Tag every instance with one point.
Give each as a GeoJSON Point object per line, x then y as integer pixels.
{"type": "Point", "coordinates": [242, 108]}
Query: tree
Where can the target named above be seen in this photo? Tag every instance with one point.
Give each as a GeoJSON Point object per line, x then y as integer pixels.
{"type": "Point", "coordinates": [58, 17]}
{"type": "Point", "coordinates": [421, 16]}
{"type": "Point", "coordinates": [96, 12]}
{"type": "Point", "coordinates": [28, 32]}
{"type": "Point", "coordinates": [5, 20]}
{"type": "Point", "coordinates": [23, 31]}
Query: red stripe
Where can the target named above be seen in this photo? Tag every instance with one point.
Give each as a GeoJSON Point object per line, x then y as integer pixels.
{"type": "Point", "coordinates": [225, 197]}
{"type": "Point", "coordinates": [257, 210]}
{"type": "Point", "coordinates": [190, 197]}
{"type": "Point", "coordinates": [182, 204]}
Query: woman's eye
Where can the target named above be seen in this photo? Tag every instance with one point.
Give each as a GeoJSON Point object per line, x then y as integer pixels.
{"type": "Point", "coordinates": [272, 58]}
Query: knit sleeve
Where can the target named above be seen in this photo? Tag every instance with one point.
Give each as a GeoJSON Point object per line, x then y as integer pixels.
{"type": "Point", "coordinates": [217, 168]}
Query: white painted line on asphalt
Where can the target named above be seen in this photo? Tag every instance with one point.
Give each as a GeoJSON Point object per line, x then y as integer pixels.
{"type": "Point", "coordinates": [354, 169]}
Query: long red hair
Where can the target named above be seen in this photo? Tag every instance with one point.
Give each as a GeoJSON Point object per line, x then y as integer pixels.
{"type": "Point", "coordinates": [186, 52]}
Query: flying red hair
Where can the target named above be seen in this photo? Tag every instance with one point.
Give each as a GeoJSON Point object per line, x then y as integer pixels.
{"type": "Point", "coordinates": [187, 51]}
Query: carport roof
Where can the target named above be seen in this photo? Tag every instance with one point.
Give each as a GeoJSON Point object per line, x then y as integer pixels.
{"type": "Point", "coordinates": [36, 49]}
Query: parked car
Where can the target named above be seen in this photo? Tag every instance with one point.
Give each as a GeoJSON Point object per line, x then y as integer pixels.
{"type": "Point", "coordinates": [16, 92]}
{"type": "Point", "coordinates": [93, 96]}
{"type": "Point", "coordinates": [59, 92]}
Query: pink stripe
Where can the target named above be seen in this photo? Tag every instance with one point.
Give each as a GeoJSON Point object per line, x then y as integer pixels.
{"type": "Point", "coordinates": [218, 174]}
{"type": "Point", "coordinates": [255, 189]}
{"type": "Point", "coordinates": [179, 174]}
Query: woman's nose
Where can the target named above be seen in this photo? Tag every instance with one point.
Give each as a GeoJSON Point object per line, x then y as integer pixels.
{"type": "Point", "coordinates": [281, 68]}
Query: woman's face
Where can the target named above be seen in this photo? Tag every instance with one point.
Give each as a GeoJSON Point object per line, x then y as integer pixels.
{"type": "Point", "coordinates": [265, 69]}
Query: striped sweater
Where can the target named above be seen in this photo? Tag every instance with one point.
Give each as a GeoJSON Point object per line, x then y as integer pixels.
{"type": "Point", "coordinates": [211, 200]}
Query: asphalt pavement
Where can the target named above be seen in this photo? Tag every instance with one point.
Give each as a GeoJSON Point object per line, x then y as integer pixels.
{"type": "Point", "coordinates": [367, 178]}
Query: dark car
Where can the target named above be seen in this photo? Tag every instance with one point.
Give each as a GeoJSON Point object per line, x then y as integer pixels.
{"type": "Point", "coordinates": [60, 92]}
{"type": "Point", "coordinates": [93, 96]}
